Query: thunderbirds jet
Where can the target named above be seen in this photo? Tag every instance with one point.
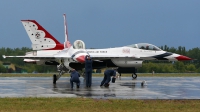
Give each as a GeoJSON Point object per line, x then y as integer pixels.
{"type": "Point", "coordinates": [126, 58]}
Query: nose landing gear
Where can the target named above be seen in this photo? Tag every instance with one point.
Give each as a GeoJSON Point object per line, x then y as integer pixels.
{"type": "Point", "coordinates": [134, 75]}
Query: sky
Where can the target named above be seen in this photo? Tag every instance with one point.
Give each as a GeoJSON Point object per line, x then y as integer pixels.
{"type": "Point", "coordinates": [105, 23]}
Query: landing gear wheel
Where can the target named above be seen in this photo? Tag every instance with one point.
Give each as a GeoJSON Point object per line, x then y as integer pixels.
{"type": "Point", "coordinates": [134, 76]}
{"type": "Point", "coordinates": [83, 74]}
{"type": "Point", "coordinates": [54, 79]}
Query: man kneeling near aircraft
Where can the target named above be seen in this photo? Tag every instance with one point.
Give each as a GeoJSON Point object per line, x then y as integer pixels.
{"type": "Point", "coordinates": [107, 77]}
{"type": "Point", "coordinates": [74, 78]}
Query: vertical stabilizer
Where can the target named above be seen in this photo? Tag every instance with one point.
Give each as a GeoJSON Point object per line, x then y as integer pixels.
{"type": "Point", "coordinates": [67, 42]}
{"type": "Point", "coordinates": [40, 38]}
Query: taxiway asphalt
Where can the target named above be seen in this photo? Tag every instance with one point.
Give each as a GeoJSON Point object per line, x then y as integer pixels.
{"type": "Point", "coordinates": [126, 88]}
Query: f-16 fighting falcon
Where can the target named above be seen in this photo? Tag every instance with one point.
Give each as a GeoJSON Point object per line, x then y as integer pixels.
{"type": "Point", "coordinates": [126, 58]}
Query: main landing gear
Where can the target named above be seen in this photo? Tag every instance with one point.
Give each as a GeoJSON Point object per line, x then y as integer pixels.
{"type": "Point", "coordinates": [134, 75]}
{"type": "Point", "coordinates": [54, 79]}
{"type": "Point", "coordinates": [61, 69]}
{"type": "Point", "coordinates": [128, 70]}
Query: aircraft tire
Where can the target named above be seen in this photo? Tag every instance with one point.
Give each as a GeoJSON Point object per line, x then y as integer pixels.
{"type": "Point", "coordinates": [83, 74]}
{"type": "Point", "coordinates": [134, 76]}
{"type": "Point", "coordinates": [120, 74]}
{"type": "Point", "coordinates": [54, 79]}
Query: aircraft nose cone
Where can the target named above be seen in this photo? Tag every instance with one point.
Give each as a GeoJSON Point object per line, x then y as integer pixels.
{"type": "Point", "coordinates": [183, 58]}
{"type": "Point", "coordinates": [81, 59]}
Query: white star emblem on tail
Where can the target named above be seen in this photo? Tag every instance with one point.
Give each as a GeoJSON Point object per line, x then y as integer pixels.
{"type": "Point", "coordinates": [37, 35]}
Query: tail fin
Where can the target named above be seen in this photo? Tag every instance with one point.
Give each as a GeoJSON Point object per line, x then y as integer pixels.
{"type": "Point", "coordinates": [67, 42]}
{"type": "Point", "coordinates": [40, 38]}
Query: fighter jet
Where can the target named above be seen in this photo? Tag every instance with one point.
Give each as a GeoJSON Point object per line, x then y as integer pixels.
{"type": "Point", "coordinates": [125, 58]}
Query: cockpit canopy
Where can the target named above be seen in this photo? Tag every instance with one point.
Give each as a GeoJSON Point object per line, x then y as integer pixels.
{"type": "Point", "coordinates": [145, 46]}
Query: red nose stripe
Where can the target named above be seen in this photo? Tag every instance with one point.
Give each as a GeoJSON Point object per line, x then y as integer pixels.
{"type": "Point", "coordinates": [81, 59]}
{"type": "Point", "coordinates": [182, 58]}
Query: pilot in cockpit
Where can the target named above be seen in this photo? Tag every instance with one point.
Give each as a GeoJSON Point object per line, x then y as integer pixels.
{"type": "Point", "coordinates": [147, 47]}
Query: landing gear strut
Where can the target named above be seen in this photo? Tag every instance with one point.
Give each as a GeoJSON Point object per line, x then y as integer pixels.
{"type": "Point", "coordinates": [61, 69]}
{"type": "Point", "coordinates": [56, 77]}
{"type": "Point", "coordinates": [134, 75]}
{"type": "Point", "coordinates": [83, 75]}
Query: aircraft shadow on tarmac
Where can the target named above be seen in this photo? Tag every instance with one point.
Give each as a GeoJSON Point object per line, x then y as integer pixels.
{"type": "Point", "coordinates": [95, 90]}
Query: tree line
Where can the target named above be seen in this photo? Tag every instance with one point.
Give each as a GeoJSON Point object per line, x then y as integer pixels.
{"type": "Point", "coordinates": [148, 66]}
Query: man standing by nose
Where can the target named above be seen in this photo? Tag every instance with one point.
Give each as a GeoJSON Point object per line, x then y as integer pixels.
{"type": "Point", "coordinates": [88, 71]}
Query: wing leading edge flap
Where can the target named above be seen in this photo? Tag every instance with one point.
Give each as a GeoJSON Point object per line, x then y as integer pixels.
{"type": "Point", "coordinates": [37, 57]}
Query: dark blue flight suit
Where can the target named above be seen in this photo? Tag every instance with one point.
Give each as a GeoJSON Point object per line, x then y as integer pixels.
{"type": "Point", "coordinates": [88, 71]}
{"type": "Point", "coordinates": [75, 78]}
{"type": "Point", "coordinates": [107, 75]}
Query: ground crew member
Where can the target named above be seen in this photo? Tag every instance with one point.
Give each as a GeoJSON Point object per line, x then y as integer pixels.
{"type": "Point", "coordinates": [107, 77]}
{"type": "Point", "coordinates": [74, 78]}
{"type": "Point", "coordinates": [88, 71]}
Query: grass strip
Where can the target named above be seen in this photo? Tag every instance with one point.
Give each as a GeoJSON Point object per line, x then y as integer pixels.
{"type": "Point", "coordinates": [96, 105]}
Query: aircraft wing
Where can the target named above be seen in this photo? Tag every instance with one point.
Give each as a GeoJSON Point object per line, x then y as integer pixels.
{"type": "Point", "coordinates": [30, 57]}
{"type": "Point", "coordinates": [37, 57]}
{"type": "Point", "coordinates": [63, 55]}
